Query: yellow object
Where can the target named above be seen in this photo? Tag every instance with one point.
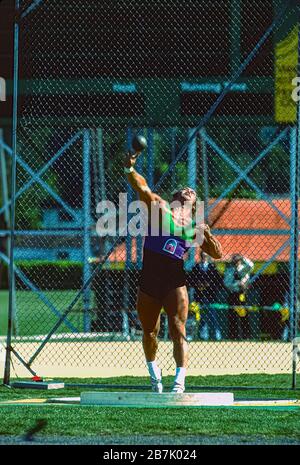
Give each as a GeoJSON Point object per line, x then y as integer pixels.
{"type": "Point", "coordinates": [285, 314]}
{"type": "Point", "coordinates": [286, 59]}
{"type": "Point", "coordinates": [195, 308]}
{"type": "Point", "coordinates": [272, 268]}
{"type": "Point", "coordinates": [242, 297]}
{"type": "Point", "coordinates": [24, 401]}
{"type": "Point", "coordinates": [241, 311]}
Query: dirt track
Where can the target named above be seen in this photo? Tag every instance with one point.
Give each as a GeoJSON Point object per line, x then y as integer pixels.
{"type": "Point", "coordinates": [83, 359]}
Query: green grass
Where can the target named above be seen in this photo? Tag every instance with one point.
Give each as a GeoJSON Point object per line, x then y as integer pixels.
{"type": "Point", "coordinates": [34, 317]}
{"type": "Point", "coordinates": [91, 421]}
{"type": "Point", "coordinates": [88, 422]}
{"type": "Point", "coordinates": [95, 421]}
{"type": "Point", "coordinates": [3, 312]}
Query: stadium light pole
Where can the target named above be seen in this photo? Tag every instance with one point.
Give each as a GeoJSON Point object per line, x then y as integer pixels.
{"type": "Point", "coordinates": [6, 379]}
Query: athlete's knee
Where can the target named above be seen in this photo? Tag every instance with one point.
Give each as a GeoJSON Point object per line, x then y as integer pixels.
{"type": "Point", "coordinates": [178, 321]}
{"type": "Point", "coordinates": [177, 327]}
{"type": "Point", "coordinates": [150, 335]}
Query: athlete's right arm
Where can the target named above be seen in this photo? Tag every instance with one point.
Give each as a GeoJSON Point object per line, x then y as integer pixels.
{"type": "Point", "coordinates": [139, 183]}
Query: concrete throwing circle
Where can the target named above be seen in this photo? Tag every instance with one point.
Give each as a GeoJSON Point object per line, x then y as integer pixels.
{"type": "Point", "coordinates": [153, 400]}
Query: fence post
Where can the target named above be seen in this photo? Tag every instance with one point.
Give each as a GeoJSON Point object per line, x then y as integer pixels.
{"type": "Point", "coordinates": [6, 379]}
{"type": "Point", "coordinates": [295, 181]}
{"type": "Point", "coordinates": [101, 166]}
{"type": "Point", "coordinates": [4, 180]}
{"type": "Point", "coordinates": [204, 179]}
{"type": "Point", "coordinates": [140, 163]}
{"type": "Point", "coordinates": [6, 241]}
{"type": "Point", "coordinates": [86, 230]}
{"type": "Point", "coordinates": [128, 240]}
{"type": "Point", "coordinates": [192, 182]}
{"type": "Point", "coordinates": [128, 245]}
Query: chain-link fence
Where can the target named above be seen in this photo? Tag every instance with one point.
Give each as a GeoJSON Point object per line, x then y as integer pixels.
{"type": "Point", "coordinates": [201, 81]}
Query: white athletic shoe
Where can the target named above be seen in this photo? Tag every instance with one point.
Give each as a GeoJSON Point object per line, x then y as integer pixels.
{"type": "Point", "coordinates": [156, 384]}
{"type": "Point", "coordinates": [178, 388]}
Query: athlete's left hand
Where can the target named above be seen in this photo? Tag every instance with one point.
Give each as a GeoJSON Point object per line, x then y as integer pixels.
{"type": "Point", "coordinates": [206, 230]}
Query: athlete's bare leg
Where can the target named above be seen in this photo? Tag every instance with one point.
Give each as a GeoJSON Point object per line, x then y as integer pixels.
{"type": "Point", "coordinates": [149, 314]}
{"type": "Point", "coordinates": [176, 305]}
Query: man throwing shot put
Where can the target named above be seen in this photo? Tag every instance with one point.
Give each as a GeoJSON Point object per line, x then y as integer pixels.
{"type": "Point", "coordinates": [162, 280]}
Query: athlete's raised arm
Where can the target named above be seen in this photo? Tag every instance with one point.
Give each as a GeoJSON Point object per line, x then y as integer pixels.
{"type": "Point", "coordinates": [139, 183]}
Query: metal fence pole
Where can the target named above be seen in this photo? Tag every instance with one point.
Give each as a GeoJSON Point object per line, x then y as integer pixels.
{"type": "Point", "coordinates": [101, 165]}
{"type": "Point", "coordinates": [128, 240]}
{"type": "Point", "coordinates": [86, 230]}
{"type": "Point", "coordinates": [192, 182]}
{"type": "Point", "coordinates": [140, 164]}
{"type": "Point", "coordinates": [6, 379]}
{"type": "Point", "coordinates": [204, 175]}
{"type": "Point", "coordinates": [128, 245]}
{"type": "Point", "coordinates": [295, 181]}
{"type": "Point", "coordinates": [4, 180]}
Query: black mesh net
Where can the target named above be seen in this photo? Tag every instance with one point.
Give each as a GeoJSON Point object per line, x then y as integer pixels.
{"type": "Point", "coordinates": [94, 74]}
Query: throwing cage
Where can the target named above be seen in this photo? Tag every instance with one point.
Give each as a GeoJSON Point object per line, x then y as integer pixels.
{"type": "Point", "coordinates": [209, 85]}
